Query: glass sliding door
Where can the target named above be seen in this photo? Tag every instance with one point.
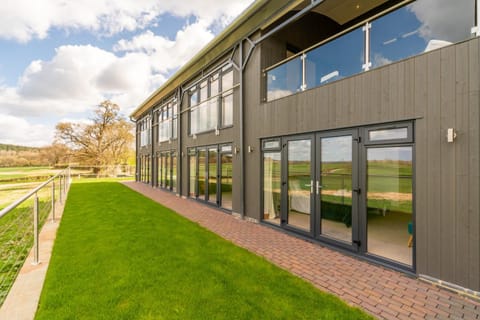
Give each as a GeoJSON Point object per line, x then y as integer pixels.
{"type": "Point", "coordinates": [192, 173]}
{"type": "Point", "coordinates": [272, 186]}
{"type": "Point", "coordinates": [212, 174]}
{"type": "Point", "coordinates": [299, 183]}
{"type": "Point", "coordinates": [158, 170]}
{"type": "Point", "coordinates": [163, 168]}
{"type": "Point", "coordinates": [351, 188]}
{"type": "Point", "coordinates": [335, 187]}
{"type": "Point", "coordinates": [174, 171]}
{"type": "Point", "coordinates": [389, 202]}
{"type": "Point", "coordinates": [202, 173]}
{"type": "Point", "coordinates": [226, 177]}
{"type": "Point", "coordinates": [168, 171]}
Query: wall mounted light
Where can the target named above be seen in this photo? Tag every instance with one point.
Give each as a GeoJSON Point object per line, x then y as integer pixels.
{"type": "Point", "coordinates": [194, 136]}
{"type": "Point", "coordinates": [451, 134]}
{"type": "Point", "coordinates": [250, 149]}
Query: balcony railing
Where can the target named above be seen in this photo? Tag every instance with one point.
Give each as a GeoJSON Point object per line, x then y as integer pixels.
{"type": "Point", "coordinates": [381, 40]}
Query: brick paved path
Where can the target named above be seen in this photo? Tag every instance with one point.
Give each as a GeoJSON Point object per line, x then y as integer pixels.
{"type": "Point", "coordinates": [384, 293]}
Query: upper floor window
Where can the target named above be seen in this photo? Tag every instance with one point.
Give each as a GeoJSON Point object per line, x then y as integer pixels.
{"type": "Point", "coordinates": [145, 127]}
{"type": "Point", "coordinates": [167, 121]}
{"type": "Point", "coordinates": [397, 34]}
{"type": "Point", "coordinates": [211, 102]}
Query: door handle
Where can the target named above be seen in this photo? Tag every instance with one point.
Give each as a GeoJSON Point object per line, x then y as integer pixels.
{"type": "Point", "coordinates": [318, 187]}
{"type": "Point", "coordinates": [309, 185]}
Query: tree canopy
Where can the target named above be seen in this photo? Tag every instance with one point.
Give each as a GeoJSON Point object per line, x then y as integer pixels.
{"type": "Point", "coordinates": [106, 140]}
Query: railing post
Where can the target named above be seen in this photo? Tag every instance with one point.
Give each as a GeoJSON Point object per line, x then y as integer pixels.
{"type": "Point", "coordinates": [60, 189]}
{"type": "Point", "coordinates": [35, 229]}
{"type": "Point", "coordinates": [53, 201]}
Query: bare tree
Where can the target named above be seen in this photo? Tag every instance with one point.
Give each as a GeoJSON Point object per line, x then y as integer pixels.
{"type": "Point", "coordinates": [105, 141]}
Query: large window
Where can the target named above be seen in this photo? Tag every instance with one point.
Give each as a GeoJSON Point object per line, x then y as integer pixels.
{"type": "Point", "coordinates": [167, 121]}
{"type": "Point", "coordinates": [271, 181]}
{"type": "Point", "coordinates": [210, 173]}
{"type": "Point", "coordinates": [145, 128]}
{"type": "Point", "coordinates": [396, 35]}
{"type": "Point", "coordinates": [167, 170]}
{"type": "Point", "coordinates": [211, 102]}
{"type": "Point", "coordinates": [192, 169]}
{"type": "Point", "coordinates": [226, 176]}
{"type": "Point", "coordinates": [358, 196]}
{"type": "Point", "coordinates": [145, 168]}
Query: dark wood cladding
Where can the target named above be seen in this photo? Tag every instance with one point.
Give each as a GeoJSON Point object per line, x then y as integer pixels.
{"type": "Point", "coordinates": [439, 90]}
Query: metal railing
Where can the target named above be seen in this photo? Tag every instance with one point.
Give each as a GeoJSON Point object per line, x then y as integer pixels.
{"type": "Point", "coordinates": [20, 225]}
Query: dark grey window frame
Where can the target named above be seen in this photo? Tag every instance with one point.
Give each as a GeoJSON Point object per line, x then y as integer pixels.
{"type": "Point", "coordinates": [195, 88]}
{"type": "Point", "coordinates": [398, 125]}
{"type": "Point", "coordinates": [193, 151]}
{"type": "Point", "coordinates": [169, 106]}
{"type": "Point", "coordinates": [360, 134]}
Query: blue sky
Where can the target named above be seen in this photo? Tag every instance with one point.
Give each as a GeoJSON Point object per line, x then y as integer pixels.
{"type": "Point", "coordinates": [59, 58]}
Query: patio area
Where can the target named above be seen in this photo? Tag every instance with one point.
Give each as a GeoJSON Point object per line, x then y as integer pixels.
{"type": "Point", "coordinates": [384, 293]}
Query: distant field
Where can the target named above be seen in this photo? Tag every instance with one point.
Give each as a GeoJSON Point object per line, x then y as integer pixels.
{"type": "Point", "coordinates": [25, 173]}
{"type": "Point", "coordinates": [9, 193]}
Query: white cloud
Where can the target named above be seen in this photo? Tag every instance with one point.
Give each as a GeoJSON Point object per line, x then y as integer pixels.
{"type": "Point", "coordinates": [444, 19]}
{"type": "Point", "coordinates": [15, 130]}
{"type": "Point", "coordinates": [23, 20]}
{"type": "Point", "coordinates": [379, 60]}
{"type": "Point", "coordinates": [59, 86]}
{"type": "Point", "coordinates": [67, 76]}
{"type": "Point", "coordinates": [168, 55]}
{"type": "Point", "coordinates": [80, 76]}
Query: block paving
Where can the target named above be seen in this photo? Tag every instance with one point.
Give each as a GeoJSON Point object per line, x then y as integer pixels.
{"type": "Point", "coordinates": [384, 293]}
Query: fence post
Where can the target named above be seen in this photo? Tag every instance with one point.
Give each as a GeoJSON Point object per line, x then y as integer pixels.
{"type": "Point", "coordinates": [35, 229]}
{"type": "Point", "coordinates": [53, 201]}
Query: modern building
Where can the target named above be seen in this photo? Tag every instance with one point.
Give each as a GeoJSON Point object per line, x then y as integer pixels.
{"type": "Point", "coordinates": [353, 123]}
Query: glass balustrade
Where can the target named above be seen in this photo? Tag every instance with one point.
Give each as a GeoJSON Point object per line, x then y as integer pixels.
{"type": "Point", "coordinates": [285, 79]}
{"type": "Point", "coordinates": [337, 59]}
{"type": "Point", "coordinates": [405, 32]}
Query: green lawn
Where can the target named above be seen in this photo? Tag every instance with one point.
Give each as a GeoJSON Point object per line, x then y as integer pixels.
{"type": "Point", "coordinates": [119, 255]}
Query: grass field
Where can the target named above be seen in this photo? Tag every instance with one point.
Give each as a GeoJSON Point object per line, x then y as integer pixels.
{"type": "Point", "coordinates": [119, 255]}
{"type": "Point", "coordinates": [16, 182]}
{"type": "Point", "coordinates": [10, 173]}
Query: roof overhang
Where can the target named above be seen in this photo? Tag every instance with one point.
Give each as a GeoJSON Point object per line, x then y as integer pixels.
{"type": "Point", "coordinates": [261, 15]}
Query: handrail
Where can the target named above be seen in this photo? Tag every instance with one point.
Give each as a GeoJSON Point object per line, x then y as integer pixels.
{"type": "Point", "coordinates": [338, 35]}
{"type": "Point", "coordinates": [6, 210]}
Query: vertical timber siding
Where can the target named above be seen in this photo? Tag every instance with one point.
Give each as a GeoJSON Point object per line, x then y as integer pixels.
{"type": "Point", "coordinates": [440, 90]}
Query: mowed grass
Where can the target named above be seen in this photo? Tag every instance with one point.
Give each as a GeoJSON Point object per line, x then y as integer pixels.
{"type": "Point", "coordinates": [119, 255]}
